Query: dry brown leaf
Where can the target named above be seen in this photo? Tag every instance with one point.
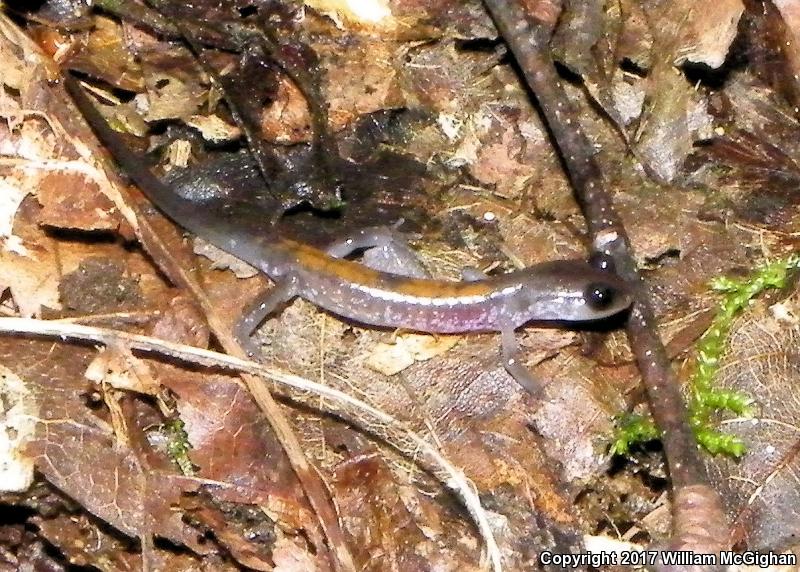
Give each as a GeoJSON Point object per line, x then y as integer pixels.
{"type": "Point", "coordinates": [391, 524]}
{"type": "Point", "coordinates": [761, 489]}
{"type": "Point", "coordinates": [710, 31]}
{"type": "Point", "coordinates": [104, 52]}
{"type": "Point", "coordinates": [74, 201]}
{"type": "Point", "coordinates": [371, 68]}
{"type": "Point", "coordinates": [289, 557]}
{"type": "Point", "coordinates": [31, 271]}
{"type": "Point", "coordinates": [214, 129]}
{"type": "Point", "coordinates": [118, 368]}
{"type": "Point", "coordinates": [232, 445]}
{"type": "Point", "coordinates": [287, 120]}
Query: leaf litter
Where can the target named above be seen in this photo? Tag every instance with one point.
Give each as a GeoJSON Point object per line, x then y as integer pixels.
{"type": "Point", "coordinates": [429, 81]}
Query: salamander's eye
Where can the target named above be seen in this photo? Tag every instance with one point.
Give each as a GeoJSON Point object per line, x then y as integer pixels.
{"type": "Point", "coordinates": [601, 261]}
{"type": "Point", "coordinates": [599, 296]}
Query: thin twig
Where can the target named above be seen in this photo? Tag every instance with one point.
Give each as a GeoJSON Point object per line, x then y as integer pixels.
{"type": "Point", "coordinates": [699, 521]}
{"type": "Point", "coordinates": [361, 414]}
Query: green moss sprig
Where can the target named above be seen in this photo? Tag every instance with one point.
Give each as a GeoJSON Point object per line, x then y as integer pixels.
{"type": "Point", "coordinates": [704, 399]}
{"type": "Point", "coordinates": [178, 446]}
{"type": "Point", "coordinates": [632, 430]}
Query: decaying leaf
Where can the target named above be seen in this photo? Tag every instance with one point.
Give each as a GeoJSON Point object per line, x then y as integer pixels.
{"type": "Point", "coordinates": [74, 201]}
{"type": "Point", "coordinates": [17, 426]}
{"type": "Point", "coordinates": [406, 349]}
{"type": "Point", "coordinates": [762, 498]}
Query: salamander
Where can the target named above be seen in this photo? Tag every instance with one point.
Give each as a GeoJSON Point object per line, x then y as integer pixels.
{"type": "Point", "coordinates": [561, 292]}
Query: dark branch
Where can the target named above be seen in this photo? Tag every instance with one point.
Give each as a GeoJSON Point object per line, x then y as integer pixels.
{"type": "Point", "coordinates": [699, 522]}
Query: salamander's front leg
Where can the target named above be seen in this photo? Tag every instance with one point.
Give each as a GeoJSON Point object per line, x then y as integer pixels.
{"type": "Point", "coordinates": [513, 363]}
{"type": "Point", "coordinates": [262, 306]}
{"type": "Point", "coordinates": [472, 274]}
{"type": "Point", "coordinates": [398, 257]}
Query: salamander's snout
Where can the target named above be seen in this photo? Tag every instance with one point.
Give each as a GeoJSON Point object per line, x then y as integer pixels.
{"type": "Point", "coordinates": [599, 296]}
{"type": "Point", "coordinates": [576, 291]}
{"type": "Point", "coordinates": [607, 296]}
{"type": "Point", "coordinates": [570, 291]}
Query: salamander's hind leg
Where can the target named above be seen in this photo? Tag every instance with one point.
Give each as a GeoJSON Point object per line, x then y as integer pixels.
{"type": "Point", "coordinates": [394, 256]}
{"type": "Point", "coordinates": [264, 304]}
{"type": "Point", "coordinates": [512, 362]}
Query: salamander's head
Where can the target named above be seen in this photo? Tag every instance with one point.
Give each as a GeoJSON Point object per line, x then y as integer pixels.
{"type": "Point", "coordinates": [575, 291]}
